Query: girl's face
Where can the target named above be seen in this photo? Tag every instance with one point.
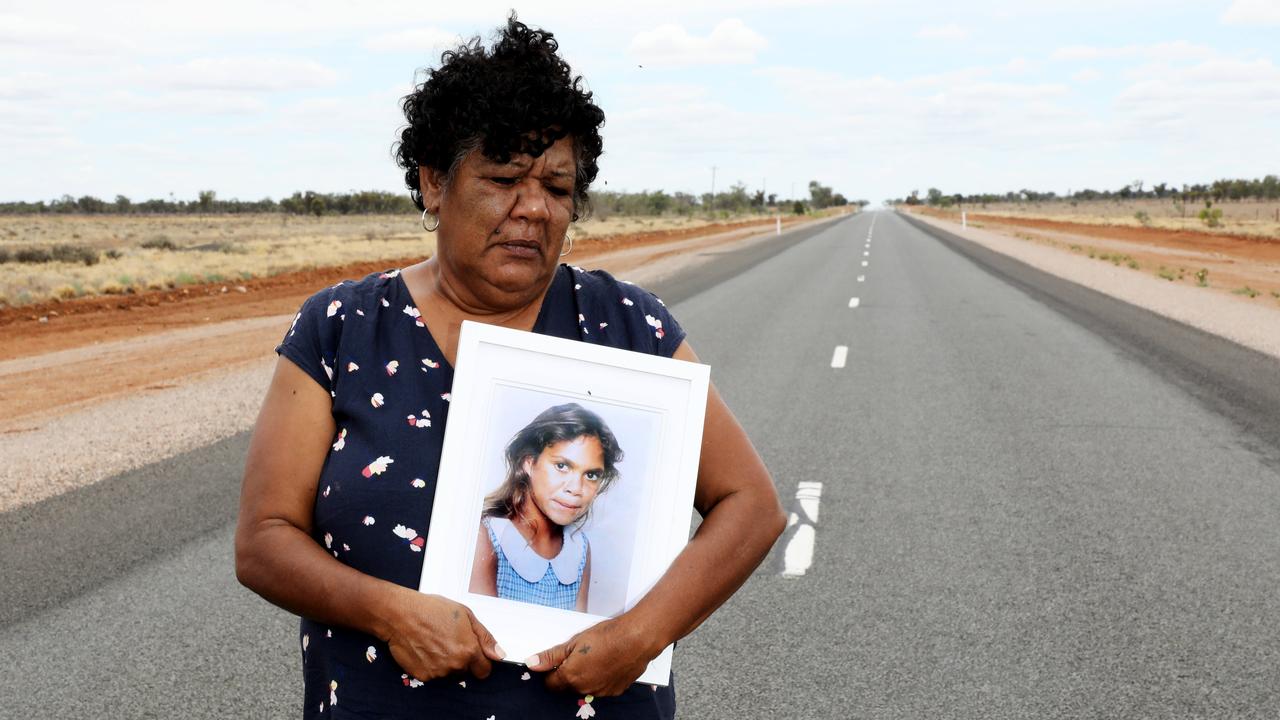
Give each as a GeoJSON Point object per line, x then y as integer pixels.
{"type": "Point", "coordinates": [565, 477]}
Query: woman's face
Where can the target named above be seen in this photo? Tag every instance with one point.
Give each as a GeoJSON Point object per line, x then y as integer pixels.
{"type": "Point", "coordinates": [502, 224]}
{"type": "Point", "coordinates": [565, 477]}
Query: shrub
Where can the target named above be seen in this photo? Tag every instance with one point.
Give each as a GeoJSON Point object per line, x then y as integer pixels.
{"type": "Point", "coordinates": [33, 255]}
{"type": "Point", "coordinates": [75, 253]}
{"type": "Point", "coordinates": [1202, 277]}
{"type": "Point", "coordinates": [4, 255]}
{"type": "Point", "coordinates": [1246, 290]}
{"type": "Point", "coordinates": [1212, 217]}
{"type": "Point", "coordinates": [159, 242]}
{"type": "Point", "coordinates": [1142, 217]}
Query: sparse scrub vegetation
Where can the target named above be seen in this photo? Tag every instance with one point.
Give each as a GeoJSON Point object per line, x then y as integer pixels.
{"type": "Point", "coordinates": [1246, 290]}
{"type": "Point", "coordinates": [1143, 217]}
{"type": "Point", "coordinates": [1202, 277]}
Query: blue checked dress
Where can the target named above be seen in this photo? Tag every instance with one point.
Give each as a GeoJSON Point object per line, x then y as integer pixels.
{"type": "Point", "coordinates": [526, 576]}
{"type": "Point", "coordinates": [366, 344]}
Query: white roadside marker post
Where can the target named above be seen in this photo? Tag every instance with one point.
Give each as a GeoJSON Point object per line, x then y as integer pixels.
{"type": "Point", "coordinates": [964, 219]}
{"type": "Point", "coordinates": [778, 225]}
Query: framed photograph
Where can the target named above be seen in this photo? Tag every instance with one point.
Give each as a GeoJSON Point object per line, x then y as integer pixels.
{"type": "Point", "coordinates": [566, 484]}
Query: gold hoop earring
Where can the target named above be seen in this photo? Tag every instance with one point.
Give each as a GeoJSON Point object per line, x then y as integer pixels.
{"type": "Point", "coordinates": [433, 217]}
{"type": "Point", "coordinates": [568, 238]}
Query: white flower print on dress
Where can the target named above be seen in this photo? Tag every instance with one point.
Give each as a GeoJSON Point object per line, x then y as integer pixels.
{"type": "Point", "coordinates": [328, 371]}
{"type": "Point", "coordinates": [333, 693]}
{"type": "Point", "coordinates": [418, 483]}
{"type": "Point", "coordinates": [306, 640]}
{"type": "Point", "coordinates": [447, 397]}
{"type": "Point", "coordinates": [410, 681]}
{"type": "Point", "coordinates": [368, 520]}
{"type": "Point", "coordinates": [392, 367]}
{"type": "Point", "coordinates": [627, 301]}
{"type": "Point", "coordinates": [420, 422]}
{"type": "Point", "coordinates": [352, 367]}
{"type": "Point", "coordinates": [359, 312]}
{"type": "Point", "coordinates": [326, 491]}
{"type": "Point", "coordinates": [377, 400]}
{"type": "Point", "coordinates": [328, 540]}
{"type": "Point", "coordinates": [377, 467]}
{"type": "Point", "coordinates": [389, 275]}
{"type": "Point", "coordinates": [656, 324]}
{"type": "Point", "coordinates": [371, 653]}
{"type": "Point", "coordinates": [585, 710]}
{"type": "Point", "coordinates": [525, 676]}
{"type": "Point", "coordinates": [385, 303]}
{"type": "Point", "coordinates": [293, 327]}
{"type": "Point", "coordinates": [416, 541]}
{"type": "Point", "coordinates": [412, 312]}
{"type": "Point", "coordinates": [430, 364]}
{"type": "Point", "coordinates": [346, 547]}
{"type": "Point", "coordinates": [604, 325]}
{"type": "Point", "coordinates": [333, 308]}
{"type": "Point", "coordinates": [341, 442]}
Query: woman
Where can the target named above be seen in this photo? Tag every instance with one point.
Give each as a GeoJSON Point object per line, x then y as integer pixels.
{"type": "Point", "coordinates": [556, 467]}
{"type": "Point", "coordinates": [500, 148]}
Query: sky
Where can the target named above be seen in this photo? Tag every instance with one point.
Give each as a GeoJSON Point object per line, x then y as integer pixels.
{"type": "Point", "coordinates": [257, 99]}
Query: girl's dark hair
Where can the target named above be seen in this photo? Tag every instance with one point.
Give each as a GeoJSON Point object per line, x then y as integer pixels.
{"type": "Point", "coordinates": [517, 97]}
{"type": "Point", "coordinates": [555, 424]}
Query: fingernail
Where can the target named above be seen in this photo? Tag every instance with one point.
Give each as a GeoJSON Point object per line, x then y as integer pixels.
{"type": "Point", "coordinates": [531, 660]}
{"type": "Point", "coordinates": [497, 649]}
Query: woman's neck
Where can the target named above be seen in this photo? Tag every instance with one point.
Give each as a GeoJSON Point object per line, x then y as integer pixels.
{"type": "Point", "coordinates": [545, 537]}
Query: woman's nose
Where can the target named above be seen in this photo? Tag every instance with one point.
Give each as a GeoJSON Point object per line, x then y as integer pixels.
{"type": "Point", "coordinates": [531, 202]}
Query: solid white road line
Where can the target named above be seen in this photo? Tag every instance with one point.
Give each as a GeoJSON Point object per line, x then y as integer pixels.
{"type": "Point", "coordinates": [798, 557]}
{"type": "Point", "coordinates": [838, 357]}
{"type": "Point", "coordinates": [854, 302]}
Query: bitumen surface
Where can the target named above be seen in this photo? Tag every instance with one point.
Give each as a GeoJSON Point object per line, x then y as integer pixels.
{"type": "Point", "coordinates": [1037, 501]}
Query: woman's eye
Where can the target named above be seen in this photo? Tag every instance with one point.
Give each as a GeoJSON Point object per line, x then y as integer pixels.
{"type": "Point", "coordinates": [504, 180]}
{"type": "Point", "coordinates": [558, 191]}
{"type": "Point", "coordinates": [561, 466]}
{"type": "Point", "coordinates": [593, 476]}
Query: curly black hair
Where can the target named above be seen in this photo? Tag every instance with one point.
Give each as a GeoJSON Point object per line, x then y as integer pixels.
{"type": "Point", "coordinates": [517, 97]}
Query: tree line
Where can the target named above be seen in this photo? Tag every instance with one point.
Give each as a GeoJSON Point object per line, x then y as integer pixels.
{"type": "Point", "coordinates": [736, 200]}
{"type": "Point", "coordinates": [1265, 188]}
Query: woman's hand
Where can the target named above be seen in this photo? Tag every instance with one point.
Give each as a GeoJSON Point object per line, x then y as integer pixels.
{"type": "Point", "coordinates": [603, 660]}
{"type": "Point", "coordinates": [431, 636]}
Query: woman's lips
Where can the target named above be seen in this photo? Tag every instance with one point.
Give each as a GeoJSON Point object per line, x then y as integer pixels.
{"type": "Point", "coordinates": [522, 248]}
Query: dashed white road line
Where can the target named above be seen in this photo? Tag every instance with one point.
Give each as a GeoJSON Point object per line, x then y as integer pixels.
{"type": "Point", "coordinates": [854, 302]}
{"type": "Point", "coordinates": [862, 278]}
{"type": "Point", "coordinates": [839, 356]}
{"type": "Point", "coordinates": [798, 557]}
{"type": "Point", "coordinates": [864, 263]}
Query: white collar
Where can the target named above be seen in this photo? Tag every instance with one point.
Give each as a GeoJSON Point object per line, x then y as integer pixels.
{"type": "Point", "coordinates": [530, 565]}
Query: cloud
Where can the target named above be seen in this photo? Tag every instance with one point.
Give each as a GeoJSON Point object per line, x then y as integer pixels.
{"type": "Point", "coordinates": [1087, 75]}
{"type": "Point", "coordinates": [416, 40]}
{"type": "Point", "coordinates": [730, 42]}
{"type": "Point", "coordinates": [1252, 12]}
{"type": "Point", "coordinates": [1168, 52]}
{"type": "Point", "coordinates": [242, 74]}
{"type": "Point", "coordinates": [942, 32]}
{"type": "Point", "coordinates": [187, 102]}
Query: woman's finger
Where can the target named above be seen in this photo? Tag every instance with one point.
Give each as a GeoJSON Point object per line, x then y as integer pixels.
{"type": "Point", "coordinates": [488, 644]}
{"type": "Point", "coordinates": [551, 658]}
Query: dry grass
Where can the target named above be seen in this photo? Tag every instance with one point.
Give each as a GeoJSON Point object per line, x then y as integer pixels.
{"type": "Point", "coordinates": [1245, 217]}
{"type": "Point", "coordinates": [223, 248]}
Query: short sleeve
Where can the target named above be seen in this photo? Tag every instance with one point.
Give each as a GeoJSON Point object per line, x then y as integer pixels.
{"type": "Point", "coordinates": [618, 313]}
{"type": "Point", "coordinates": [310, 342]}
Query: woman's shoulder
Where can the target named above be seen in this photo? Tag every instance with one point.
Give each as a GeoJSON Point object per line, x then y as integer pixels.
{"type": "Point", "coordinates": [620, 313]}
{"type": "Point", "coordinates": [350, 294]}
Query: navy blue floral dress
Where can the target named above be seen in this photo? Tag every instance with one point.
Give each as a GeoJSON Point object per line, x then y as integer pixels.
{"type": "Point", "coordinates": [366, 343]}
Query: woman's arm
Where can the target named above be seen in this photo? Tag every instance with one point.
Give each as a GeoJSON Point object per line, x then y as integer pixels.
{"type": "Point", "coordinates": [277, 558]}
{"type": "Point", "coordinates": [581, 603]}
{"type": "Point", "coordinates": [741, 520]}
{"type": "Point", "coordinates": [484, 567]}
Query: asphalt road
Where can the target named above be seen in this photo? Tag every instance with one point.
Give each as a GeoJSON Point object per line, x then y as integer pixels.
{"type": "Point", "coordinates": [1037, 502]}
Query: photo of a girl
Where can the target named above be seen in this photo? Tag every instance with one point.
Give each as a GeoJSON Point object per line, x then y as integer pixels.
{"type": "Point", "coordinates": [530, 546]}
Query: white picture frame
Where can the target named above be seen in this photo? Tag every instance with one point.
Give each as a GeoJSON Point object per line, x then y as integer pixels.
{"type": "Point", "coordinates": [655, 407]}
